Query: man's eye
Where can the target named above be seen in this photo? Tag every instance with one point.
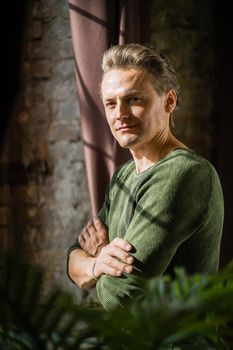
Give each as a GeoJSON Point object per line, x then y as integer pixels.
{"type": "Point", "coordinates": [110, 104]}
{"type": "Point", "coordinates": [133, 99]}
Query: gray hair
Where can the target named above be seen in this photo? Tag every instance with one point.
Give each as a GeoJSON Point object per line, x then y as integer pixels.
{"type": "Point", "coordinates": [161, 72]}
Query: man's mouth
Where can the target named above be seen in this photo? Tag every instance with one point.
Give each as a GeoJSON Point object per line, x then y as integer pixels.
{"type": "Point", "coordinates": [125, 127]}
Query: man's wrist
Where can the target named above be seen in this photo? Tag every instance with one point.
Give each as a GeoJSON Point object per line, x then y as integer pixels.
{"type": "Point", "coordinates": [93, 271]}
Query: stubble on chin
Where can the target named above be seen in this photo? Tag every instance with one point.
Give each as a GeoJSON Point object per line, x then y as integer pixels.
{"type": "Point", "coordinates": [126, 141]}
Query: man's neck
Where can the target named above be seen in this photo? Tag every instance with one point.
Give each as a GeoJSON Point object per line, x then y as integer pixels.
{"type": "Point", "coordinates": [155, 151]}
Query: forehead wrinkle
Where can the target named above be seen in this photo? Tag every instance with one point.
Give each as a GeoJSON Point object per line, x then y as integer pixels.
{"type": "Point", "coordinates": [116, 84]}
{"type": "Point", "coordinates": [123, 93]}
{"type": "Point", "coordinates": [136, 75]}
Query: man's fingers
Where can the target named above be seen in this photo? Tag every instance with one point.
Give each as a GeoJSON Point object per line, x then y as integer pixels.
{"type": "Point", "coordinates": [98, 224]}
{"type": "Point", "coordinates": [108, 270]}
{"type": "Point", "coordinates": [91, 228]}
{"type": "Point", "coordinates": [121, 243]}
{"type": "Point", "coordinates": [114, 260]}
{"type": "Point", "coordinates": [112, 267]}
{"type": "Point", "coordinates": [81, 241]}
{"type": "Point", "coordinates": [118, 253]}
{"type": "Point", "coordinates": [85, 231]}
{"type": "Point", "coordinates": [95, 225]}
{"type": "Point", "coordinates": [119, 266]}
{"type": "Point", "coordinates": [116, 272]}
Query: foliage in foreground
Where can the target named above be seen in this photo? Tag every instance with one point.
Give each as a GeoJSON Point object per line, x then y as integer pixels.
{"type": "Point", "coordinates": [187, 313]}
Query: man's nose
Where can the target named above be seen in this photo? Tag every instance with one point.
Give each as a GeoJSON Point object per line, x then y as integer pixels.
{"type": "Point", "coordinates": [122, 111]}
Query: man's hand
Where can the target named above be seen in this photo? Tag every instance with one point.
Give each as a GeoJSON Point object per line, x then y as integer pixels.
{"type": "Point", "coordinates": [114, 259]}
{"type": "Point", "coordinates": [93, 237]}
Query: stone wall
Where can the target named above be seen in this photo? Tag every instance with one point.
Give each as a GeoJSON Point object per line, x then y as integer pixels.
{"type": "Point", "coordinates": [43, 190]}
{"type": "Point", "coordinates": [45, 203]}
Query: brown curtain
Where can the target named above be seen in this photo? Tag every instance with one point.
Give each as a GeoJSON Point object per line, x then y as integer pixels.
{"type": "Point", "coordinates": [95, 26]}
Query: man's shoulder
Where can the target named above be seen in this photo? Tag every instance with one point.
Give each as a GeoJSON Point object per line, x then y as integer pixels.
{"type": "Point", "coordinates": [187, 161]}
{"type": "Point", "coordinates": [182, 167]}
{"type": "Point", "coordinates": [187, 168]}
{"type": "Point", "coordinates": [179, 165]}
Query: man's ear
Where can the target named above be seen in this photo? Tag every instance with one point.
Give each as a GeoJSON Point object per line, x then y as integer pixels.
{"type": "Point", "coordinates": [170, 102]}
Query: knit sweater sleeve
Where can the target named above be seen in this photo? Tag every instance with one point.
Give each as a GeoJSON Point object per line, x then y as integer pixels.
{"type": "Point", "coordinates": [169, 210]}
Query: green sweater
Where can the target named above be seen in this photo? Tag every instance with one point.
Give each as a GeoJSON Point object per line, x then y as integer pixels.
{"type": "Point", "coordinates": [172, 214]}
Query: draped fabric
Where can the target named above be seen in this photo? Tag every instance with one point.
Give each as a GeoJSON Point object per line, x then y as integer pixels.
{"type": "Point", "coordinates": [95, 26]}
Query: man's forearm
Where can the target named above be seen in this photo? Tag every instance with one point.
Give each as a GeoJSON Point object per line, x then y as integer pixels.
{"type": "Point", "coordinates": [94, 256]}
{"type": "Point", "coordinates": [80, 267]}
{"type": "Point", "coordinates": [114, 259]}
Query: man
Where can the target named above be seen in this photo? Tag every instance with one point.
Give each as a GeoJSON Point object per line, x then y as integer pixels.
{"type": "Point", "coordinates": [164, 208]}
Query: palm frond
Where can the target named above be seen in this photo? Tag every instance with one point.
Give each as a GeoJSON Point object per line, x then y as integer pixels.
{"type": "Point", "coordinates": [186, 313]}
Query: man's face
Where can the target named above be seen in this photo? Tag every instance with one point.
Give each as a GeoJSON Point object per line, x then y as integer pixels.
{"type": "Point", "coordinates": [135, 112]}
